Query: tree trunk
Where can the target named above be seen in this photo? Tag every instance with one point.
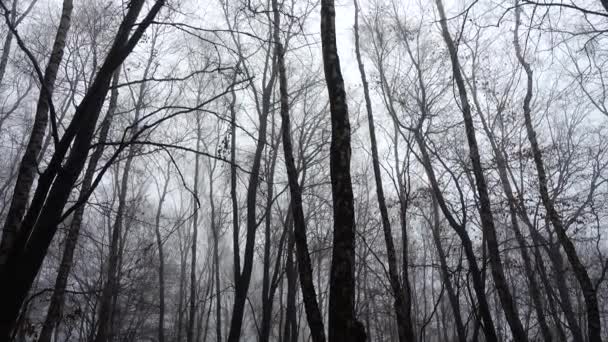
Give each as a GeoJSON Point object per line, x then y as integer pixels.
{"type": "Point", "coordinates": [29, 166]}
{"type": "Point", "coordinates": [291, 332]}
{"type": "Point", "coordinates": [315, 320]}
{"type": "Point", "coordinates": [343, 325]}
{"type": "Point", "coordinates": [242, 285]}
{"type": "Point", "coordinates": [445, 273]}
{"type": "Point", "coordinates": [557, 263]}
{"type": "Point", "coordinates": [111, 287]}
{"type": "Point", "coordinates": [485, 209]}
{"type": "Point", "coordinates": [215, 229]}
{"type": "Point", "coordinates": [181, 292]}
{"type": "Point", "coordinates": [40, 223]}
{"type": "Point", "coordinates": [233, 194]}
{"type": "Point", "coordinates": [405, 327]}
{"type": "Point", "coordinates": [476, 273]}
{"type": "Point", "coordinates": [8, 40]}
{"type": "Point", "coordinates": [594, 327]}
{"type": "Point", "coordinates": [266, 280]}
{"type": "Point", "coordinates": [501, 164]}
{"type": "Point", "coordinates": [55, 310]}
{"type": "Point", "coordinates": [193, 246]}
{"type": "Point", "coordinates": [161, 259]}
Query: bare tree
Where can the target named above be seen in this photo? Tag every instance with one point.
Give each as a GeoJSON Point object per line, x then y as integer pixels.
{"type": "Point", "coordinates": [28, 166]}
{"type": "Point", "coordinates": [485, 210]}
{"type": "Point", "coordinates": [315, 320]}
{"type": "Point", "coordinates": [343, 324]}
{"type": "Point", "coordinates": [54, 186]}
{"type": "Point", "coordinates": [594, 328]}
{"type": "Point", "coordinates": [402, 305]}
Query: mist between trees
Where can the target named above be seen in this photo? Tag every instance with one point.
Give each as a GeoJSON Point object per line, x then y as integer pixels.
{"type": "Point", "coordinates": [210, 170]}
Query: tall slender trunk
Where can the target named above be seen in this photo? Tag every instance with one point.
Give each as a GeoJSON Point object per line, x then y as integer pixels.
{"type": "Point", "coordinates": [8, 41]}
{"type": "Point", "coordinates": [501, 165]}
{"type": "Point", "coordinates": [207, 316]}
{"type": "Point", "coordinates": [233, 194]}
{"type": "Point", "coordinates": [181, 292]}
{"type": "Point", "coordinates": [343, 325]}
{"type": "Point", "coordinates": [55, 309]}
{"type": "Point", "coordinates": [405, 327]}
{"type": "Point", "coordinates": [218, 290]}
{"type": "Point", "coordinates": [313, 314]}
{"type": "Point", "coordinates": [594, 326]}
{"type": "Point", "coordinates": [111, 286]}
{"type": "Point", "coordinates": [476, 274]}
{"type": "Point", "coordinates": [563, 290]}
{"type": "Point", "coordinates": [552, 307]}
{"type": "Point", "coordinates": [557, 263]}
{"type": "Point", "coordinates": [193, 246]}
{"type": "Point", "coordinates": [55, 184]}
{"type": "Point", "coordinates": [445, 273]}
{"type": "Point", "coordinates": [267, 301]}
{"type": "Point", "coordinates": [535, 294]}
{"type": "Point", "coordinates": [28, 167]}
{"type": "Point", "coordinates": [161, 259]}
{"type": "Point", "coordinates": [242, 285]}
{"type": "Point", "coordinates": [290, 333]}
{"type": "Point", "coordinates": [215, 230]}
{"type": "Point", "coordinates": [485, 209]}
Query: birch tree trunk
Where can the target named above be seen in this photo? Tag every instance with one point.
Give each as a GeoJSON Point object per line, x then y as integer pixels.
{"type": "Point", "coordinates": [28, 167]}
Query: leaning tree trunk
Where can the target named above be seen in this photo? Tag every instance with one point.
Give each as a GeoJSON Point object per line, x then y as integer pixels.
{"type": "Point", "coordinates": [29, 165]}
{"type": "Point", "coordinates": [535, 293]}
{"type": "Point", "coordinates": [445, 273]}
{"type": "Point", "coordinates": [343, 325]}
{"type": "Point", "coordinates": [460, 228]}
{"type": "Point", "coordinates": [501, 165]}
{"type": "Point", "coordinates": [405, 327]}
{"type": "Point", "coordinates": [313, 314]}
{"type": "Point", "coordinates": [55, 310]}
{"type": "Point", "coordinates": [55, 184]}
{"type": "Point", "coordinates": [594, 327]}
{"type": "Point", "coordinates": [485, 209]}
{"type": "Point", "coordinates": [477, 274]}
{"type": "Point", "coordinates": [556, 260]}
